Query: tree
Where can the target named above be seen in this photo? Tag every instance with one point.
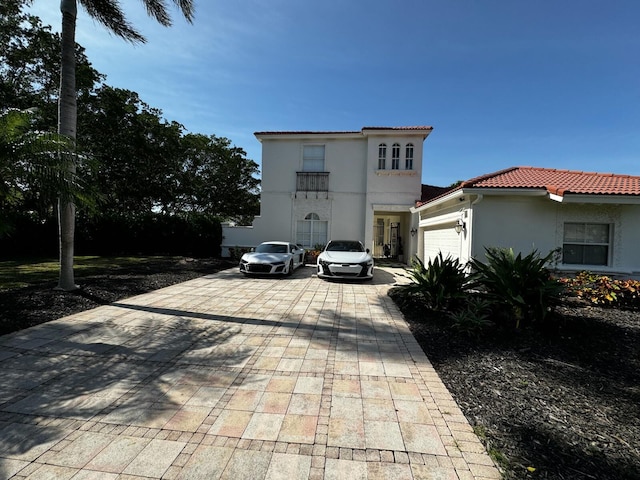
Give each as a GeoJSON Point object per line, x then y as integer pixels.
{"type": "Point", "coordinates": [137, 154]}
{"type": "Point", "coordinates": [217, 179]}
{"type": "Point", "coordinates": [109, 14]}
{"type": "Point", "coordinates": [30, 65]}
{"type": "Point", "coordinates": [28, 164]}
{"type": "Point", "coordinates": [32, 177]}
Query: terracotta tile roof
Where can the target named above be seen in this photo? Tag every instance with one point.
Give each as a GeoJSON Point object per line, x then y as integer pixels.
{"type": "Point", "coordinates": [555, 181]}
{"type": "Point", "coordinates": [430, 192]}
{"type": "Point", "coordinates": [306, 132]}
{"type": "Point", "coordinates": [558, 182]}
{"type": "Point", "coordinates": [416, 127]}
{"type": "Point", "coordinates": [333, 132]}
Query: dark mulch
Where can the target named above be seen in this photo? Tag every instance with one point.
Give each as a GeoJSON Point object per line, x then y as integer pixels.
{"type": "Point", "coordinates": [565, 402]}
{"type": "Point", "coordinates": [25, 307]}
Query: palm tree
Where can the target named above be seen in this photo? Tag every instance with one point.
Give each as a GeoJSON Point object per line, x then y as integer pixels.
{"type": "Point", "coordinates": [28, 161]}
{"type": "Point", "coordinates": [109, 14]}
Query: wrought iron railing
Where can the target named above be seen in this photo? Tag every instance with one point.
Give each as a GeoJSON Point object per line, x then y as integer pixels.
{"type": "Point", "coordinates": [312, 182]}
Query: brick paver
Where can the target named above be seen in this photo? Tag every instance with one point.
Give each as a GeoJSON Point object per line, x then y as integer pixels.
{"type": "Point", "coordinates": [232, 377]}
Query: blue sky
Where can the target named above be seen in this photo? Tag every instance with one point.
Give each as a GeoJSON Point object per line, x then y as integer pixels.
{"type": "Point", "coordinates": [504, 83]}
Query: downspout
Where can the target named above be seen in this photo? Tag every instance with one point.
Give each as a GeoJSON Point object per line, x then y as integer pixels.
{"type": "Point", "coordinates": [470, 252]}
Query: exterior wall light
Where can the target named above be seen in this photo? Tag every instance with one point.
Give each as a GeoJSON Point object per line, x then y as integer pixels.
{"type": "Point", "coordinates": [414, 231]}
{"type": "Point", "coordinates": [459, 226]}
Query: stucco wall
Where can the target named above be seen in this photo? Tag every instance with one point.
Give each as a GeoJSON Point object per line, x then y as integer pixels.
{"type": "Point", "coordinates": [528, 222]}
{"type": "Point", "coordinates": [525, 223]}
{"type": "Point", "coordinates": [521, 223]}
{"type": "Point", "coordinates": [356, 189]}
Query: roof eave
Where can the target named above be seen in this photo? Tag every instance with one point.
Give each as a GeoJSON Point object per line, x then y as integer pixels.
{"type": "Point", "coordinates": [304, 134]}
{"type": "Point", "coordinates": [454, 194]}
{"type": "Point", "coordinates": [600, 198]}
{"type": "Point", "coordinates": [503, 191]}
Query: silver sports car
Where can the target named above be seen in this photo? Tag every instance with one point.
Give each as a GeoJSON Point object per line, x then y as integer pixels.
{"type": "Point", "coordinates": [273, 258]}
{"type": "Point", "coordinates": [345, 259]}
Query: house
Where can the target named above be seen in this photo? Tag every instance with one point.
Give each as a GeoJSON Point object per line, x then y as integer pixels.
{"type": "Point", "coordinates": [593, 218]}
{"type": "Point", "coordinates": [318, 186]}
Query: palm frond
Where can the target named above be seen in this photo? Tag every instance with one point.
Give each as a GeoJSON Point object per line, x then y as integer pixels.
{"type": "Point", "coordinates": [109, 14]}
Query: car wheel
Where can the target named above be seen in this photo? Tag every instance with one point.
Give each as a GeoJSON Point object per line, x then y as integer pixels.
{"type": "Point", "coordinates": [290, 269]}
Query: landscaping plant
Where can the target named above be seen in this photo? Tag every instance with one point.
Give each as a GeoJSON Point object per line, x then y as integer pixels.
{"type": "Point", "coordinates": [604, 291]}
{"type": "Point", "coordinates": [473, 317]}
{"type": "Point", "coordinates": [522, 284]}
{"type": "Point", "coordinates": [440, 284]}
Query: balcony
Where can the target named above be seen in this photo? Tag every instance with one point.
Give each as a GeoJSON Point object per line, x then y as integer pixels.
{"type": "Point", "coordinates": [312, 182]}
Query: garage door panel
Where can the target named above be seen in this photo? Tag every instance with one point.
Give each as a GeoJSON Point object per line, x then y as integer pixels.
{"type": "Point", "coordinates": [444, 240]}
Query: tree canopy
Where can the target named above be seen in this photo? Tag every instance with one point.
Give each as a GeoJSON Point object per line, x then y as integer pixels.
{"type": "Point", "coordinates": [132, 160]}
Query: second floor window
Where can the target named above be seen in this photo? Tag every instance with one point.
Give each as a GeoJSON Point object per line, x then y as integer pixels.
{"type": "Point", "coordinates": [313, 158]}
{"type": "Point", "coordinates": [395, 156]}
{"type": "Point", "coordinates": [382, 156]}
{"type": "Point", "coordinates": [408, 158]}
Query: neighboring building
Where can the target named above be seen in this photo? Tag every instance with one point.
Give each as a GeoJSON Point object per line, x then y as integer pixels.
{"type": "Point", "coordinates": [593, 218]}
{"type": "Point", "coordinates": [358, 185]}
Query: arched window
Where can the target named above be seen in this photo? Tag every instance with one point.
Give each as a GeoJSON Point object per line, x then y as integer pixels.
{"type": "Point", "coordinates": [312, 231]}
{"type": "Point", "coordinates": [408, 157]}
{"type": "Point", "coordinates": [395, 156]}
{"type": "Point", "coordinates": [382, 156]}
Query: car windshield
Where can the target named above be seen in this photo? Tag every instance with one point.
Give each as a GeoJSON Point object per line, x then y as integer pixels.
{"type": "Point", "coordinates": [271, 248]}
{"type": "Point", "coordinates": [345, 247]}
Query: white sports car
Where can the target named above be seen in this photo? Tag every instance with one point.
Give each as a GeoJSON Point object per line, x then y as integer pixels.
{"type": "Point", "coordinates": [273, 258]}
{"type": "Point", "coordinates": [345, 259]}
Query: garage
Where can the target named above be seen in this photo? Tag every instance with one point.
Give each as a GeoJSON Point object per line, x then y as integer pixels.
{"type": "Point", "coordinates": [442, 238]}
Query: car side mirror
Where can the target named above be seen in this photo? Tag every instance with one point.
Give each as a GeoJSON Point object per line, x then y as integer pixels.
{"type": "Point", "coordinates": [367, 250]}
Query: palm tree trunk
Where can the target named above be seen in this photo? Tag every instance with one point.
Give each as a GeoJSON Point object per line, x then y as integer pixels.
{"type": "Point", "coordinates": [67, 120]}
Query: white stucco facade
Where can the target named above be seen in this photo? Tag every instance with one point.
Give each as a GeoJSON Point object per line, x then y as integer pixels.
{"type": "Point", "coordinates": [356, 194]}
{"type": "Point", "coordinates": [527, 220]}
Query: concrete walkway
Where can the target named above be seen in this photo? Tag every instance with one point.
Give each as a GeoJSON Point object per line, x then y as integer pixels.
{"type": "Point", "coordinates": [233, 378]}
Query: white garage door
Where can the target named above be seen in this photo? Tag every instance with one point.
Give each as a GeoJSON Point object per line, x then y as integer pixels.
{"type": "Point", "coordinates": [444, 240]}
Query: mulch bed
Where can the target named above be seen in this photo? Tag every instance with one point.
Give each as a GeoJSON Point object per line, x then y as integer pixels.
{"type": "Point", "coordinates": [557, 405]}
{"type": "Point", "coordinates": [563, 405]}
{"type": "Point", "coordinates": [25, 307]}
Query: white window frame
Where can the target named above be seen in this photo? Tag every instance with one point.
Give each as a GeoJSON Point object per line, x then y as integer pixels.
{"type": "Point", "coordinates": [395, 156]}
{"type": "Point", "coordinates": [585, 242]}
{"type": "Point", "coordinates": [312, 231]}
{"type": "Point", "coordinates": [408, 157]}
{"type": "Point", "coordinates": [382, 156]}
{"type": "Point", "coordinates": [313, 158]}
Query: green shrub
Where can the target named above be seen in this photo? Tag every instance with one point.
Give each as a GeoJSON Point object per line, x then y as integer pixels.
{"type": "Point", "coordinates": [473, 317]}
{"type": "Point", "coordinates": [236, 253]}
{"type": "Point", "coordinates": [521, 283]}
{"type": "Point", "coordinates": [440, 284]}
{"type": "Point", "coordinates": [604, 291]}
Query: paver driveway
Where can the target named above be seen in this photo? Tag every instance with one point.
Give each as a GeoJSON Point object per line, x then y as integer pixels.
{"type": "Point", "coordinates": [234, 378]}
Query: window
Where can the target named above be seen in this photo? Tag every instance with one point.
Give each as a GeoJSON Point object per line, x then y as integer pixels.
{"type": "Point", "coordinates": [395, 156]}
{"type": "Point", "coordinates": [408, 157]}
{"type": "Point", "coordinates": [379, 231]}
{"type": "Point", "coordinates": [312, 231]}
{"type": "Point", "coordinates": [586, 244]}
{"type": "Point", "coordinates": [313, 158]}
{"type": "Point", "coordinates": [382, 156]}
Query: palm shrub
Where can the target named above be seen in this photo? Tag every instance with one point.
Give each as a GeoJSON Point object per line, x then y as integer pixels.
{"type": "Point", "coordinates": [473, 317]}
{"type": "Point", "coordinates": [523, 284]}
{"type": "Point", "coordinates": [440, 284]}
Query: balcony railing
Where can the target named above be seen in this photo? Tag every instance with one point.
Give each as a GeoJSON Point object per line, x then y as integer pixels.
{"type": "Point", "coordinates": [312, 182]}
